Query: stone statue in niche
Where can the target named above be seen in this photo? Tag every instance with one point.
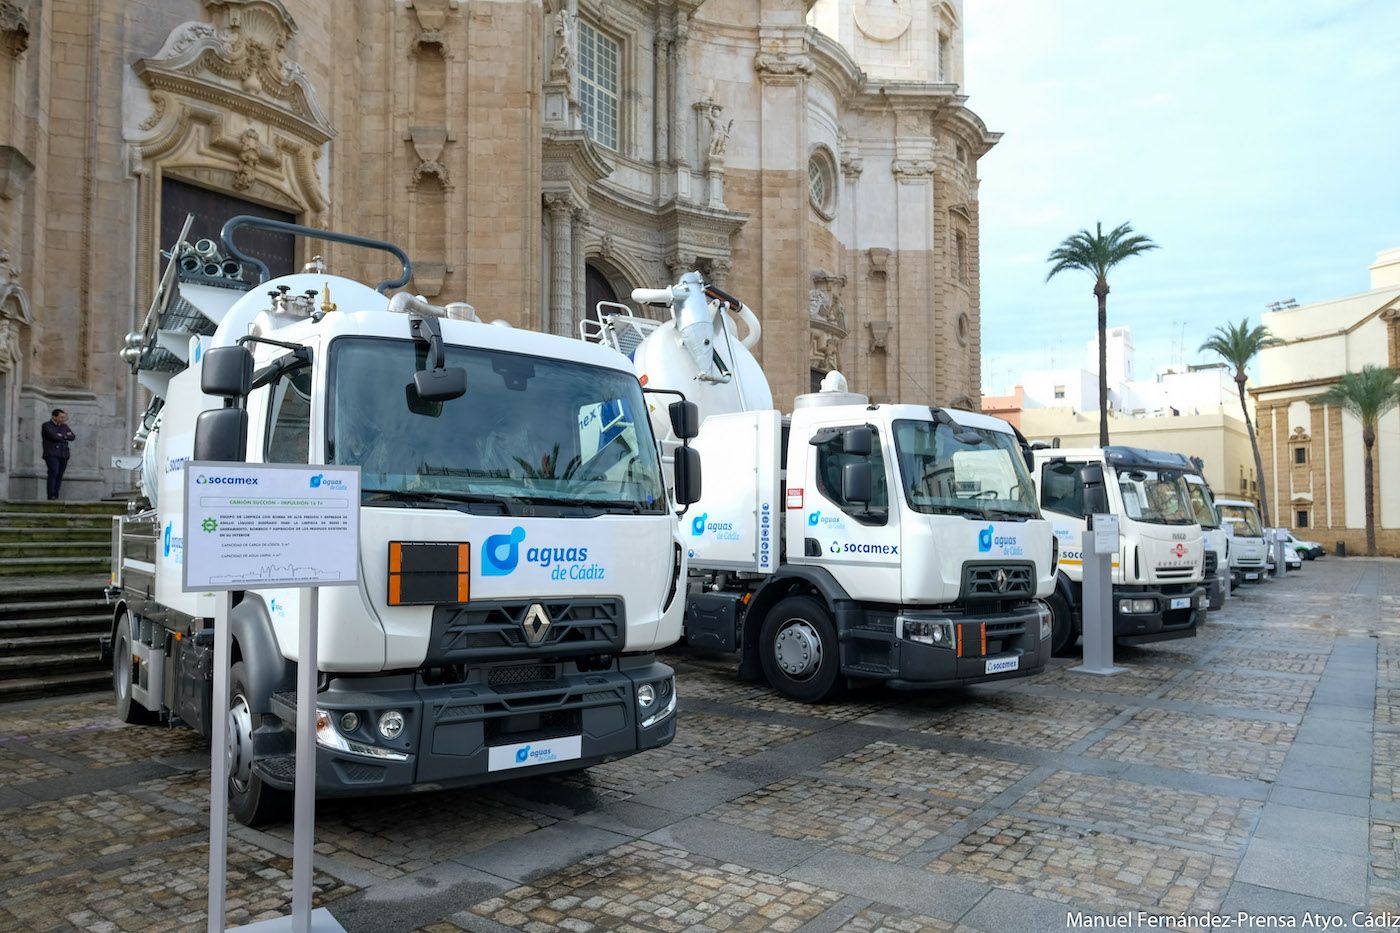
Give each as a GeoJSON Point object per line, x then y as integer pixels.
{"type": "Point", "coordinates": [826, 351]}
{"type": "Point", "coordinates": [562, 67]}
{"type": "Point", "coordinates": [719, 132]}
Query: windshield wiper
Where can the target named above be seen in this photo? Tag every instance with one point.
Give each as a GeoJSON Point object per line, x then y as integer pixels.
{"type": "Point", "coordinates": [509, 504]}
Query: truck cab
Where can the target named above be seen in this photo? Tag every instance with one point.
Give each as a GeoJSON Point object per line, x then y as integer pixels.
{"type": "Point", "coordinates": [1158, 570]}
{"type": "Point", "coordinates": [1217, 559]}
{"type": "Point", "coordinates": [1249, 551]}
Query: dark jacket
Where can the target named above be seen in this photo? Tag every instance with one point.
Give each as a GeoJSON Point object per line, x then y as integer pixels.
{"type": "Point", "coordinates": [56, 438]}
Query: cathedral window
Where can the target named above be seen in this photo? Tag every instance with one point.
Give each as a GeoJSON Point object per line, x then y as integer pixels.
{"type": "Point", "coordinates": [599, 77]}
{"type": "Point", "coordinates": [821, 182]}
{"type": "Point", "coordinates": [960, 261]}
{"type": "Point", "coordinates": [945, 58]}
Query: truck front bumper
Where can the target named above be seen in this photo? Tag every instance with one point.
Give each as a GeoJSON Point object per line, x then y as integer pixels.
{"type": "Point", "coordinates": [900, 649]}
{"type": "Point", "coordinates": [1164, 619]}
{"type": "Point", "coordinates": [505, 722]}
{"type": "Point", "coordinates": [1217, 588]}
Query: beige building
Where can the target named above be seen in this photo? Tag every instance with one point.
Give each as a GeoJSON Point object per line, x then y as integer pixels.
{"type": "Point", "coordinates": [814, 157]}
{"type": "Point", "coordinates": [1218, 439]}
{"type": "Point", "coordinates": [1313, 455]}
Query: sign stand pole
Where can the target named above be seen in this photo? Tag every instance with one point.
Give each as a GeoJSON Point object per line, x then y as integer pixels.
{"type": "Point", "coordinates": [1098, 600]}
{"type": "Point", "coordinates": [304, 819]}
{"type": "Point", "coordinates": [218, 761]}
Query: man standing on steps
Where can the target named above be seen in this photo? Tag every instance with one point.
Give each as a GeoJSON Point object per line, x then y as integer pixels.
{"type": "Point", "coordinates": [56, 434]}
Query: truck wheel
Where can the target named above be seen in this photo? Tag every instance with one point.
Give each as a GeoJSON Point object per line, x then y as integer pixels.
{"type": "Point", "coordinates": [128, 709]}
{"type": "Point", "coordinates": [253, 803]}
{"type": "Point", "coordinates": [799, 650]}
{"type": "Point", "coordinates": [1061, 625]}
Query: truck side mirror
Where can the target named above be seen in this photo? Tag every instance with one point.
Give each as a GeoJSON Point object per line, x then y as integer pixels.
{"type": "Point", "coordinates": [227, 372]}
{"type": "Point", "coordinates": [687, 471]}
{"type": "Point", "coordinates": [440, 385]}
{"type": "Point", "coordinates": [1095, 493]}
{"type": "Point", "coordinates": [858, 441]}
{"type": "Point", "coordinates": [856, 484]}
{"type": "Point", "coordinates": [1029, 456]}
{"type": "Point", "coordinates": [685, 419]}
{"type": "Point", "coordinates": [221, 434]}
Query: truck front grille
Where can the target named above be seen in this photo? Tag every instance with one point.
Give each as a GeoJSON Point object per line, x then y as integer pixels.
{"type": "Point", "coordinates": [517, 674]}
{"type": "Point", "coordinates": [982, 581]}
{"type": "Point", "coordinates": [1174, 573]}
{"type": "Point", "coordinates": [490, 629]}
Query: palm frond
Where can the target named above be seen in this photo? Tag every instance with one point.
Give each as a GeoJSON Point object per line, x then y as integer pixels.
{"type": "Point", "coordinates": [1096, 252]}
{"type": "Point", "coordinates": [1368, 395]}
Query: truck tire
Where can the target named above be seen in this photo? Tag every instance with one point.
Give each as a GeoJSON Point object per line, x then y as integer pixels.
{"type": "Point", "coordinates": [128, 709]}
{"type": "Point", "coordinates": [799, 650]}
{"type": "Point", "coordinates": [252, 802]}
{"type": "Point", "coordinates": [1061, 625]}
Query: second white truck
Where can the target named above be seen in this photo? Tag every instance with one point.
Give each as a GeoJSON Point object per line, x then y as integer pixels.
{"type": "Point", "coordinates": [846, 542]}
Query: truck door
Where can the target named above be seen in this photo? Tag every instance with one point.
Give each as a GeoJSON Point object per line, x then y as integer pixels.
{"type": "Point", "coordinates": [1062, 500]}
{"type": "Point", "coordinates": [858, 542]}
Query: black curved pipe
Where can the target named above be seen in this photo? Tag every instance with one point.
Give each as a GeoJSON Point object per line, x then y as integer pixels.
{"type": "Point", "coordinates": [279, 226]}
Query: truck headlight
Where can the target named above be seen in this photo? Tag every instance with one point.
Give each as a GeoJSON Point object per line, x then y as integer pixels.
{"type": "Point", "coordinates": [658, 700]}
{"type": "Point", "coordinates": [1131, 606]}
{"type": "Point", "coordinates": [391, 724]}
{"type": "Point", "coordinates": [939, 633]}
{"type": "Point", "coordinates": [1047, 620]}
{"type": "Point", "coordinates": [328, 737]}
{"type": "Point", "coordinates": [1203, 601]}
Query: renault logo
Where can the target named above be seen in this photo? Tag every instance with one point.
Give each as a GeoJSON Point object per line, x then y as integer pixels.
{"type": "Point", "coordinates": [535, 625]}
{"type": "Point", "coordinates": [1001, 580]}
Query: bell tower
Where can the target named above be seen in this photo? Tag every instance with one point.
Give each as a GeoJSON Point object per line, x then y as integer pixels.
{"type": "Point", "coordinates": [897, 40]}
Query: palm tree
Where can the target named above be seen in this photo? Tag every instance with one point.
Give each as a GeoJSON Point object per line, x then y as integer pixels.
{"type": "Point", "coordinates": [1238, 345]}
{"type": "Point", "coordinates": [1096, 254]}
{"type": "Point", "coordinates": [1368, 395]}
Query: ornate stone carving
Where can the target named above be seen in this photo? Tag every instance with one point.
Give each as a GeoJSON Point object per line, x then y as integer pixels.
{"type": "Point", "coordinates": [879, 260]}
{"type": "Point", "coordinates": [851, 166]}
{"type": "Point", "coordinates": [561, 67]}
{"type": "Point", "coordinates": [782, 65]}
{"type": "Point", "coordinates": [826, 351]}
{"type": "Point", "coordinates": [824, 307]}
{"type": "Point", "coordinates": [719, 130]}
{"type": "Point", "coordinates": [237, 63]}
{"type": "Point", "coordinates": [428, 143]}
{"type": "Point", "coordinates": [14, 29]}
{"type": "Point", "coordinates": [432, 14]}
{"type": "Point", "coordinates": [678, 264]}
{"type": "Point", "coordinates": [158, 104]}
{"type": "Point", "coordinates": [248, 155]}
{"type": "Point", "coordinates": [879, 335]}
{"type": "Point", "coordinates": [912, 170]}
{"type": "Point", "coordinates": [718, 272]}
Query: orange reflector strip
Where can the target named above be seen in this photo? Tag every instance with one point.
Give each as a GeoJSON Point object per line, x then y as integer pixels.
{"type": "Point", "coordinates": [464, 558]}
{"type": "Point", "coordinates": [464, 587]}
{"type": "Point", "coordinates": [984, 639]}
{"type": "Point", "coordinates": [394, 589]}
{"type": "Point", "coordinates": [745, 598]}
{"type": "Point", "coordinates": [958, 630]}
{"type": "Point", "coordinates": [395, 556]}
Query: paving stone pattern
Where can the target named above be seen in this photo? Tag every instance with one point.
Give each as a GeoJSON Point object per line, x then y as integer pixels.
{"type": "Point", "coordinates": [1255, 767]}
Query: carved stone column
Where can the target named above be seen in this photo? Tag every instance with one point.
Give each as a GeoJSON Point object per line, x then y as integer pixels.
{"type": "Point", "coordinates": [719, 272]}
{"type": "Point", "coordinates": [661, 114]}
{"type": "Point", "coordinates": [581, 221]}
{"type": "Point", "coordinates": [680, 110]}
{"type": "Point", "coordinates": [561, 263]}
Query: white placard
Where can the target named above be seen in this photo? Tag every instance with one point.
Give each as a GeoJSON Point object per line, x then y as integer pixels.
{"type": "Point", "coordinates": [259, 526]}
{"type": "Point", "coordinates": [1105, 534]}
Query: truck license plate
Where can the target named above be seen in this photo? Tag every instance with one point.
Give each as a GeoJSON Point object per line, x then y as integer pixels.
{"type": "Point", "coordinates": [1251, 576]}
{"type": "Point", "coordinates": [525, 754]}
{"type": "Point", "coordinates": [999, 665]}
{"type": "Point", "coordinates": [1181, 602]}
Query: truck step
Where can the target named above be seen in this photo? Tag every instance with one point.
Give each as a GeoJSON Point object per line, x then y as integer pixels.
{"type": "Point", "coordinates": [284, 704]}
{"type": "Point", "coordinates": [24, 687]}
{"type": "Point", "coordinates": [277, 770]}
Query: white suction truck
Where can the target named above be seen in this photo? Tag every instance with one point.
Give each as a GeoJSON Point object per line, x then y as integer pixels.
{"type": "Point", "coordinates": [520, 563]}
{"type": "Point", "coordinates": [848, 542]}
{"type": "Point", "coordinates": [1249, 551]}
{"type": "Point", "coordinates": [1159, 568]}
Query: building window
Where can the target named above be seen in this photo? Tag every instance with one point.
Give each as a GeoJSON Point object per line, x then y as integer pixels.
{"type": "Point", "coordinates": [964, 328]}
{"type": "Point", "coordinates": [1244, 485]}
{"type": "Point", "coordinates": [598, 80]}
{"type": "Point", "coordinates": [1059, 391]}
{"type": "Point", "coordinates": [960, 256]}
{"type": "Point", "coordinates": [1302, 519]}
{"type": "Point", "coordinates": [945, 59]}
{"type": "Point", "coordinates": [821, 182]}
{"type": "Point", "coordinates": [1300, 455]}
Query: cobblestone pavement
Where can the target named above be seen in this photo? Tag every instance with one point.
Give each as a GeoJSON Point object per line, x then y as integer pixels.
{"type": "Point", "coordinates": [1250, 769]}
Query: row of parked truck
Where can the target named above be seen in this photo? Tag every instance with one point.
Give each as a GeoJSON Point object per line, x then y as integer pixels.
{"type": "Point", "coordinates": [840, 545]}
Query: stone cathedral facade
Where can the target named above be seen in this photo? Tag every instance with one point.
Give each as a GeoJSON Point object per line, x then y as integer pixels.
{"type": "Point", "coordinates": [813, 157]}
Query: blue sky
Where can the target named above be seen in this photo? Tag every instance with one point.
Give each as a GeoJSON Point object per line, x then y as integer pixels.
{"type": "Point", "coordinates": [1258, 143]}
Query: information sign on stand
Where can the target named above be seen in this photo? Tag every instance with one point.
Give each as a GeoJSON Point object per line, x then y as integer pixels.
{"type": "Point", "coordinates": [1100, 545]}
{"type": "Point", "coordinates": [269, 526]}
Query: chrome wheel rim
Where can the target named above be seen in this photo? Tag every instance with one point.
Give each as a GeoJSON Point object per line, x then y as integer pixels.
{"type": "Point", "coordinates": [798, 649]}
{"type": "Point", "coordinates": [238, 744]}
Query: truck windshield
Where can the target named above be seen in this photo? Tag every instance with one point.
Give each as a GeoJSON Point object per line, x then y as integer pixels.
{"type": "Point", "coordinates": [530, 432]}
{"type": "Point", "coordinates": [944, 475]}
{"type": "Point", "coordinates": [1155, 496]}
{"type": "Point", "coordinates": [1245, 520]}
{"type": "Point", "coordinates": [1203, 505]}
